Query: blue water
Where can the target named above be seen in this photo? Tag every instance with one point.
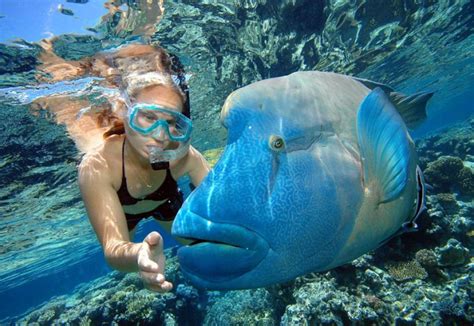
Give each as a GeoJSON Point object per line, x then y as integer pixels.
{"type": "Point", "coordinates": [48, 247]}
{"type": "Point", "coordinates": [63, 280]}
{"type": "Point", "coordinates": [463, 109]}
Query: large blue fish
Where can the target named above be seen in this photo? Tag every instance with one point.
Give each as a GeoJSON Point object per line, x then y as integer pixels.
{"type": "Point", "coordinates": [319, 168]}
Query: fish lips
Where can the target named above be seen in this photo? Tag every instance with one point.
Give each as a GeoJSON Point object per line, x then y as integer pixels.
{"type": "Point", "coordinates": [219, 253]}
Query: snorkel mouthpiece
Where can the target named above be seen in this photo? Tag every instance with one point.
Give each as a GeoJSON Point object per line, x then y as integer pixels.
{"type": "Point", "coordinates": [160, 158]}
{"type": "Point", "coordinates": [160, 165]}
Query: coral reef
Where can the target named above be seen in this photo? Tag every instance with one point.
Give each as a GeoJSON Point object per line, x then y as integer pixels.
{"type": "Point", "coordinates": [455, 141]}
{"type": "Point", "coordinates": [121, 299]}
{"type": "Point", "coordinates": [370, 295]}
{"type": "Point", "coordinates": [448, 173]}
{"type": "Point", "coordinates": [426, 258]}
{"type": "Point", "coordinates": [447, 161]}
{"type": "Point", "coordinates": [241, 308]}
{"type": "Point", "coordinates": [452, 254]}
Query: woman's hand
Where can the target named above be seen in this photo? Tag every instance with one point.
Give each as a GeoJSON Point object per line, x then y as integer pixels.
{"type": "Point", "coordinates": [151, 263]}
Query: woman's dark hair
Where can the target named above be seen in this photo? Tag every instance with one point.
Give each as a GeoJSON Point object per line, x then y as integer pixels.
{"type": "Point", "coordinates": [178, 70]}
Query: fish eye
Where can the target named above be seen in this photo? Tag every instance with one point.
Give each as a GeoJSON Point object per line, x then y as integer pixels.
{"type": "Point", "coordinates": [276, 143]}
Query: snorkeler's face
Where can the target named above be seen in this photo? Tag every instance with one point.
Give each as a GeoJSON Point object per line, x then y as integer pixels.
{"type": "Point", "coordinates": [162, 96]}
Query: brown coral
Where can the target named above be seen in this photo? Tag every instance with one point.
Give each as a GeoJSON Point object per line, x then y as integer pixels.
{"type": "Point", "coordinates": [426, 258]}
{"type": "Point", "coordinates": [448, 202]}
{"type": "Point", "coordinates": [448, 172]}
{"type": "Point", "coordinates": [406, 270]}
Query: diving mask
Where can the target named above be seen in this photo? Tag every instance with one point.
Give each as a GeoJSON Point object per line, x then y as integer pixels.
{"type": "Point", "coordinates": [162, 124]}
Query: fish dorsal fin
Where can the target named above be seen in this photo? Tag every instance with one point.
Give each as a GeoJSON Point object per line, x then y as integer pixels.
{"type": "Point", "coordinates": [370, 84]}
{"type": "Point", "coordinates": [412, 108]}
{"type": "Point", "coordinates": [384, 145]}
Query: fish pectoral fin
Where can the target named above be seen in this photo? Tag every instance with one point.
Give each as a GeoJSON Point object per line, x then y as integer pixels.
{"type": "Point", "coordinates": [384, 145]}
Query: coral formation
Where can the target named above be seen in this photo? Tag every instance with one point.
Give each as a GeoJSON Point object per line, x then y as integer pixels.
{"type": "Point", "coordinates": [452, 254]}
{"type": "Point", "coordinates": [241, 308]}
{"type": "Point", "coordinates": [454, 141]}
{"type": "Point", "coordinates": [426, 258]}
{"type": "Point", "coordinates": [448, 173]}
{"type": "Point", "coordinates": [448, 202]}
{"type": "Point", "coordinates": [407, 270]}
{"type": "Point", "coordinates": [121, 299]}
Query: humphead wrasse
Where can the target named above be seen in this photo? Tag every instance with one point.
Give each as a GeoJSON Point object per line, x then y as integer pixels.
{"type": "Point", "coordinates": [319, 168]}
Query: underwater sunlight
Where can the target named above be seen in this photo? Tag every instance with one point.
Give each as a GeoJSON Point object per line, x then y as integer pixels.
{"type": "Point", "coordinates": [312, 162]}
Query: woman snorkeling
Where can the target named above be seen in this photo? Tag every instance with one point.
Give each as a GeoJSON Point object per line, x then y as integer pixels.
{"type": "Point", "coordinates": [133, 174]}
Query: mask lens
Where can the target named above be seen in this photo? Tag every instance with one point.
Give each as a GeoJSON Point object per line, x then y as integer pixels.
{"type": "Point", "coordinates": [148, 119]}
{"type": "Point", "coordinates": [145, 118]}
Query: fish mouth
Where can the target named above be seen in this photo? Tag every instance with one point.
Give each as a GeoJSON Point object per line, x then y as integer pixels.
{"type": "Point", "coordinates": [219, 252]}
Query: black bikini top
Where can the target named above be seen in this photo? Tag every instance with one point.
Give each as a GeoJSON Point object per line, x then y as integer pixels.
{"type": "Point", "coordinates": [168, 188]}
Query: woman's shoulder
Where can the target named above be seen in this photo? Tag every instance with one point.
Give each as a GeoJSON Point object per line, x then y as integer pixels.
{"type": "Point", "coordinates": [104, 160]}
{"type": "Point", "coordinates": [194, 155]}
{"type": "Point", "coordinates": [192, 160]}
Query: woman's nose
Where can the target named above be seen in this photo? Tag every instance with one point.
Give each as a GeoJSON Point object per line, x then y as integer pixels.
{"type": "Point", "coordinates": [160, 133]}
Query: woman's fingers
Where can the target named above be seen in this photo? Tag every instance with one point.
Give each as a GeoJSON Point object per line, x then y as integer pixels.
{"type": "Point", "coordinates": [165, 287]}
{"type": "Point", "coordinates": [152, 278]}
{"type": "Point", "coordinates": [151, 263]}
{"type": "Point", "coordinates": [155, 282]}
